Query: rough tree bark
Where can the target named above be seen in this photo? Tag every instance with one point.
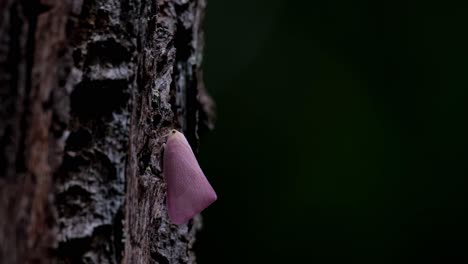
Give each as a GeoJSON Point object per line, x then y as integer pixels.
{"type": "Point", "coordinates": [87, 88]}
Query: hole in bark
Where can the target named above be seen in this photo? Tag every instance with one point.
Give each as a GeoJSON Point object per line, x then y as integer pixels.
{"type": "Point", "coordinates": [108, 51]}
{"type": "Point", "coordinates": [77, 56]}
{"type": "Point", "coordinates": [79, 139]}
{"type": "Point", "coordinates": [156, 119]}
{"type": "Point", "coordinates": [183, 39]}
{"type": "Point", "coordinates": [72, 250]}
{"type": "Point", "coordinates": [90, 249]}
{"type": "Point", "coordinates": [92, 99]}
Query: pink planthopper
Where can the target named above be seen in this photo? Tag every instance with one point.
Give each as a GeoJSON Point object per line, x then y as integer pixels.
{"type": "Point", "coordinates": [188, 190]}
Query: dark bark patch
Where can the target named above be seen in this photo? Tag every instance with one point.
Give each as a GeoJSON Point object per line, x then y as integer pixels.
{"type": "Point", "coordinates": [93, 99]}
{"type": "Point", "coordinates": [183, 38]}
{"type": "Point", "coordinates": [79, 139]}
{"type": "Point", "coordinates": [108, 51]}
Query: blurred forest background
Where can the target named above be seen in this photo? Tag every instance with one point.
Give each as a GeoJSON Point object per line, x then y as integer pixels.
{"type": "Point", "coordinates": [342, 132]}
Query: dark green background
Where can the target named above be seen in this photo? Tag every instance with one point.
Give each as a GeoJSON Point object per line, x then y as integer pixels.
{"type": "Point", "coordinates": [342, 133]}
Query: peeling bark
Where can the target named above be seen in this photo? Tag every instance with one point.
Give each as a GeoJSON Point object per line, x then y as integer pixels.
{"type": "Point", "coordinates": [87, 88]}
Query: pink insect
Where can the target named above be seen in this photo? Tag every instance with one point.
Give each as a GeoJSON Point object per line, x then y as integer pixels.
{"type": "Point", "coordinates": [188, 190]}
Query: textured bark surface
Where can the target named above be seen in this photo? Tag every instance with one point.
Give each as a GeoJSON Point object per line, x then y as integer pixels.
{"type": "Point", "coordinates": [87, 90]}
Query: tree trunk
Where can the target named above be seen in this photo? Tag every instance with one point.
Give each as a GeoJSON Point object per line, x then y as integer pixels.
{"type": "Point", "coordinates": [87, 89]}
